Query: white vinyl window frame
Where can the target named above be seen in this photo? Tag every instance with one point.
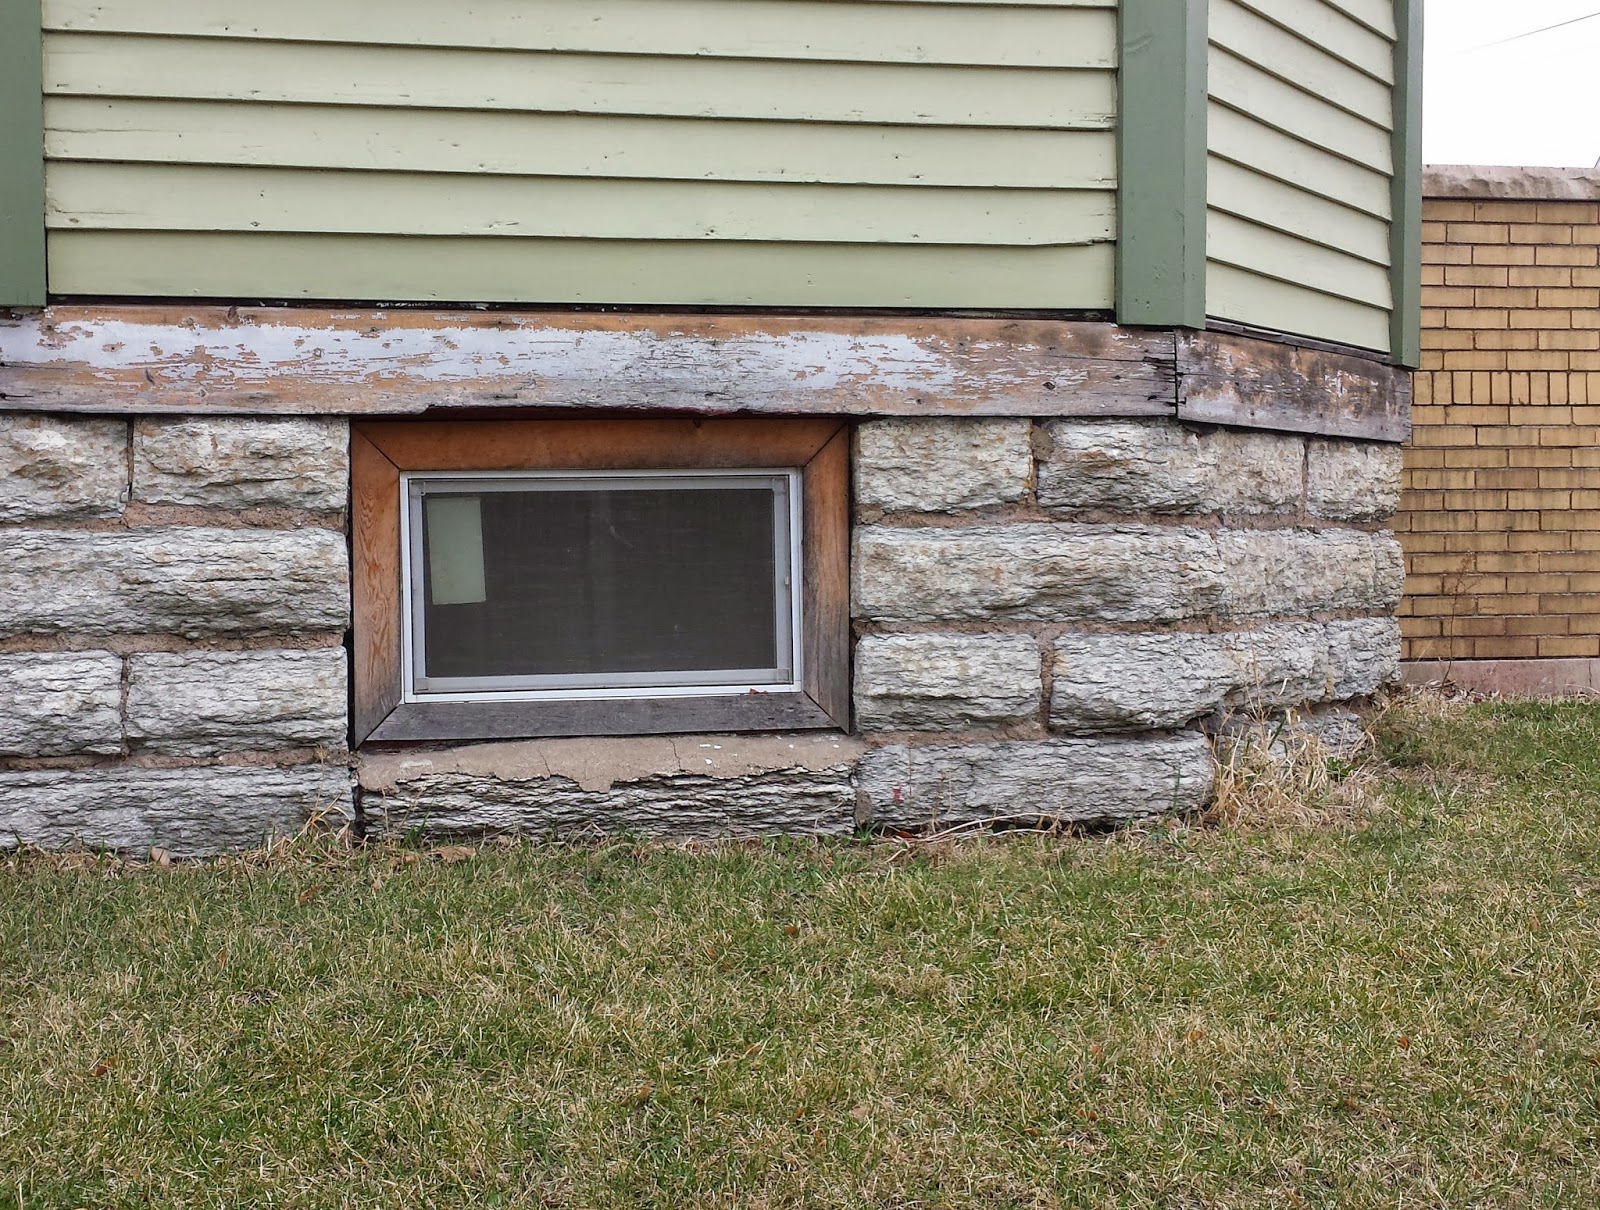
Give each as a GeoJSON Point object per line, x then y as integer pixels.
{"type": "Point", "coordinates": [788, 621]}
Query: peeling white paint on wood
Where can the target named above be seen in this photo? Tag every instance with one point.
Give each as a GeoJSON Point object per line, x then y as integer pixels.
{"type": "Point", "coordinates": [302, 360]}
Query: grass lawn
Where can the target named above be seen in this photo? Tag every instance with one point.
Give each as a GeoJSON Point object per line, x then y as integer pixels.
{"type": "Point", "coordinates": [1388, 999]}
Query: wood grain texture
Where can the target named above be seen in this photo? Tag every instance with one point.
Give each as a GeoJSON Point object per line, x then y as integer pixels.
{"type": "Point", "coordinates": [826, 546]}
{"type": "Point", "coordinates": [1239, 380]}
{"type": "Point", "coordinates": [261, 360]}
{"type": "Point", "coordinates": [413, 722]}
{"type": "Point", "coordinates": [375, 585]}
{"type": "Point", "coordinates": [380, 451]}
{"type": "Point", "coordinates": [584, 445]}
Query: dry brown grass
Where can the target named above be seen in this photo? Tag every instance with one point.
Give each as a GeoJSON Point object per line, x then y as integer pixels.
{"type": "Point", "coordinates": [1284, 772]}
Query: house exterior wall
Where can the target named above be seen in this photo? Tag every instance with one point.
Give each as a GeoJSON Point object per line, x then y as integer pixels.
{"type": "Point", "coordinates": [1500, 518]}
{"type": "Point", "coordinates": [1053, 617]}
{"type": "Point", "coordinates": [1301, 166]}
{"type": "Point", "coordinates": [1251, 160]}
{"type": "Point", "coordinates": [971, 236]}
{"type": "Point", "coordinates": [877, 153]}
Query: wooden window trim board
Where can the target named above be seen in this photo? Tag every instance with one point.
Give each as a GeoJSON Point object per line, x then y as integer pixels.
{"type": "Point", "coordinates": [1405, 228]}
{"type": "Point", "coordinates": [22, 242]}
{"type": "Point", "coordinates": [381, 451]}
{"type": "Point", "coordinates": [1161, 163]}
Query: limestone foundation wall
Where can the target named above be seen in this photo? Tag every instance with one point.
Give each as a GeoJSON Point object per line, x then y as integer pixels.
{"type": "Point", "coordinates": [173, 607]}
{"type": "Point", "coordinates": [1051, 618]}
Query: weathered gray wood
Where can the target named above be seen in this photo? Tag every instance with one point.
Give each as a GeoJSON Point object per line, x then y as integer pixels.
{"type": "Point", "coordinates": [1224, 378]}
{"type": "Point", "coordinates": [217, 361]}
{"type": "Point", "coordinates": [412, 721]}
{"type": "Point", "coordinates": [180, 359]}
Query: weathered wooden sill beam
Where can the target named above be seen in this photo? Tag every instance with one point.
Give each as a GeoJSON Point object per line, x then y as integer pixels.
{"type": "Point", "coordinates": [1228, 378]}
{"type": "Point", "coordinates": [292, 360]}
{"type": "Point", "coordinates": [297, 360]}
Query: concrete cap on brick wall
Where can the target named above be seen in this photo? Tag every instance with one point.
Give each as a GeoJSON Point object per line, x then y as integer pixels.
{"type": "Point", "coordinates": [1490, 181]}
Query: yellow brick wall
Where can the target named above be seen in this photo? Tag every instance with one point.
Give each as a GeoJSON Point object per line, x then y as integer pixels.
{"type": "Point", "coordinates": [1500, 515]}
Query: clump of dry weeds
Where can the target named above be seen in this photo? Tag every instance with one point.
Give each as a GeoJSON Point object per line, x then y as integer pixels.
{"type": "Point", "coordinates": [1290, 771]}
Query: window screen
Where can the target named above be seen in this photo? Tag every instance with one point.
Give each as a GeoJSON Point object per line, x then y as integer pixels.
{"type": "Point", "coordinates": [560, 583]}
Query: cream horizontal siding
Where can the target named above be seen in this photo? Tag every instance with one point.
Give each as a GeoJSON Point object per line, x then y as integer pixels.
{"type": "Point", "coordinates": [442, 269]}
{"type": "Point", "coordinates": [1300, 149]}
{"type": "Point", "coordinates": [741, 29]}
{"type": "Point", "coordinates": [265, 73]}
{"type": "Point", "coordinates": [759, 152]}
{"type": "Point", "coordinates": [85, 129]}
{"type": "Point", "coordinates": [146, 197]}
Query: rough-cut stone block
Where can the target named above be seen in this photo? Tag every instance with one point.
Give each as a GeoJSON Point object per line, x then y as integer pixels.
{"type": "Point", "coordinates": [1091, 781]}
{"type": "Point", "coordinates": [1163, 467]}
{"type": "Point", "coordinates": [1352, 480]}
{"type": "Point", "coordinates": [1285, 572]}
{"type": "Point", "coordinates": [1282, 664]}
{"type": "Point", "coordinates": [945, 682]}
{"type": "Point", "coordinates": [1363, 656]}
{"type": "Point", "coordinates": [196, 703]}
{"type": "Point", "coordinates": [1037, 572]}
{"type": "Point", "coordinates": [61, 467]}
{"type": "Point", "coordinates": [942, 465]}
{"type": "Point", "coordinates": [1135, 682]}
{"type": "Point", "coordinates": [60, 703]}
{"type": "Point", "coordinates": [193, 812]}
{"type": "Point", "coordinates": [179, 580]}
{"type": "Point", "coordinates": [1285, 736]}
{"type": "Point", "coordinates": [678, 788]}
{"type": "Point", "coordinates": [233, 462]}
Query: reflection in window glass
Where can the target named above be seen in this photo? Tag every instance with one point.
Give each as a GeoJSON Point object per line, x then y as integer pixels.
{"type": "Point", "coordinates": [594, 582]}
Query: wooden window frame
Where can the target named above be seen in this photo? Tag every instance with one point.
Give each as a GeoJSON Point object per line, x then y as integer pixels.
{"type": "Point", "coordinates": [381, 451]}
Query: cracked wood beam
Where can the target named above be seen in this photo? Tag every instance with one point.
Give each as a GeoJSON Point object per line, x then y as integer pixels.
{"type": "Point", "coordinates": [277, 360]}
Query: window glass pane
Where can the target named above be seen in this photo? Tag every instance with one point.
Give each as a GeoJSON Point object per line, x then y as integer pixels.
{"type": "Point", "coordinates": [569, 580]}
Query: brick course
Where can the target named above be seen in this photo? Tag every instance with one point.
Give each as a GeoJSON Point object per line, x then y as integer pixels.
{"type": "Point", "coordinates": [1500, 509]}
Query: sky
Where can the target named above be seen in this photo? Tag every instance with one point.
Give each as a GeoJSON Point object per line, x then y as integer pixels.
{"type": "Point", "coordinates": [1528, 100]}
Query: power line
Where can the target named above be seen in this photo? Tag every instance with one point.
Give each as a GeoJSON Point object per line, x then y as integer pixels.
{"type": "Point", "coordinates": [1541, 30]}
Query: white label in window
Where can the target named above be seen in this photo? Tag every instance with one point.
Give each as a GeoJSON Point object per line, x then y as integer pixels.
{"type": "Point", "coordinates": [455, 550]}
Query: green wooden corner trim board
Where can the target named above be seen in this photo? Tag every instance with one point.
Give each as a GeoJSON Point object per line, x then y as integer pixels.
{"type": "Point", "coordinates": [1406, 225]}
{"type": "Point", "coordinates": [1161, 241]}
{"type": "Point", "coordinates": [22, 274]}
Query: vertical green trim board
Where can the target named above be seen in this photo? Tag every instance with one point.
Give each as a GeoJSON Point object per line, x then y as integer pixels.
{"type": "Point", "coordinates": [1405, 228]}
{"type": "Point", "coordinates": [22, 280]}
{"type": "Point", "coordinates": [1161, 163]}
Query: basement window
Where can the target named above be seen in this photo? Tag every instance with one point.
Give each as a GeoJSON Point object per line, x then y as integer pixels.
{"type": "Point", "coordinates": [536, 578]}
{"type": "Point", "coordinates": [552, 585]}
